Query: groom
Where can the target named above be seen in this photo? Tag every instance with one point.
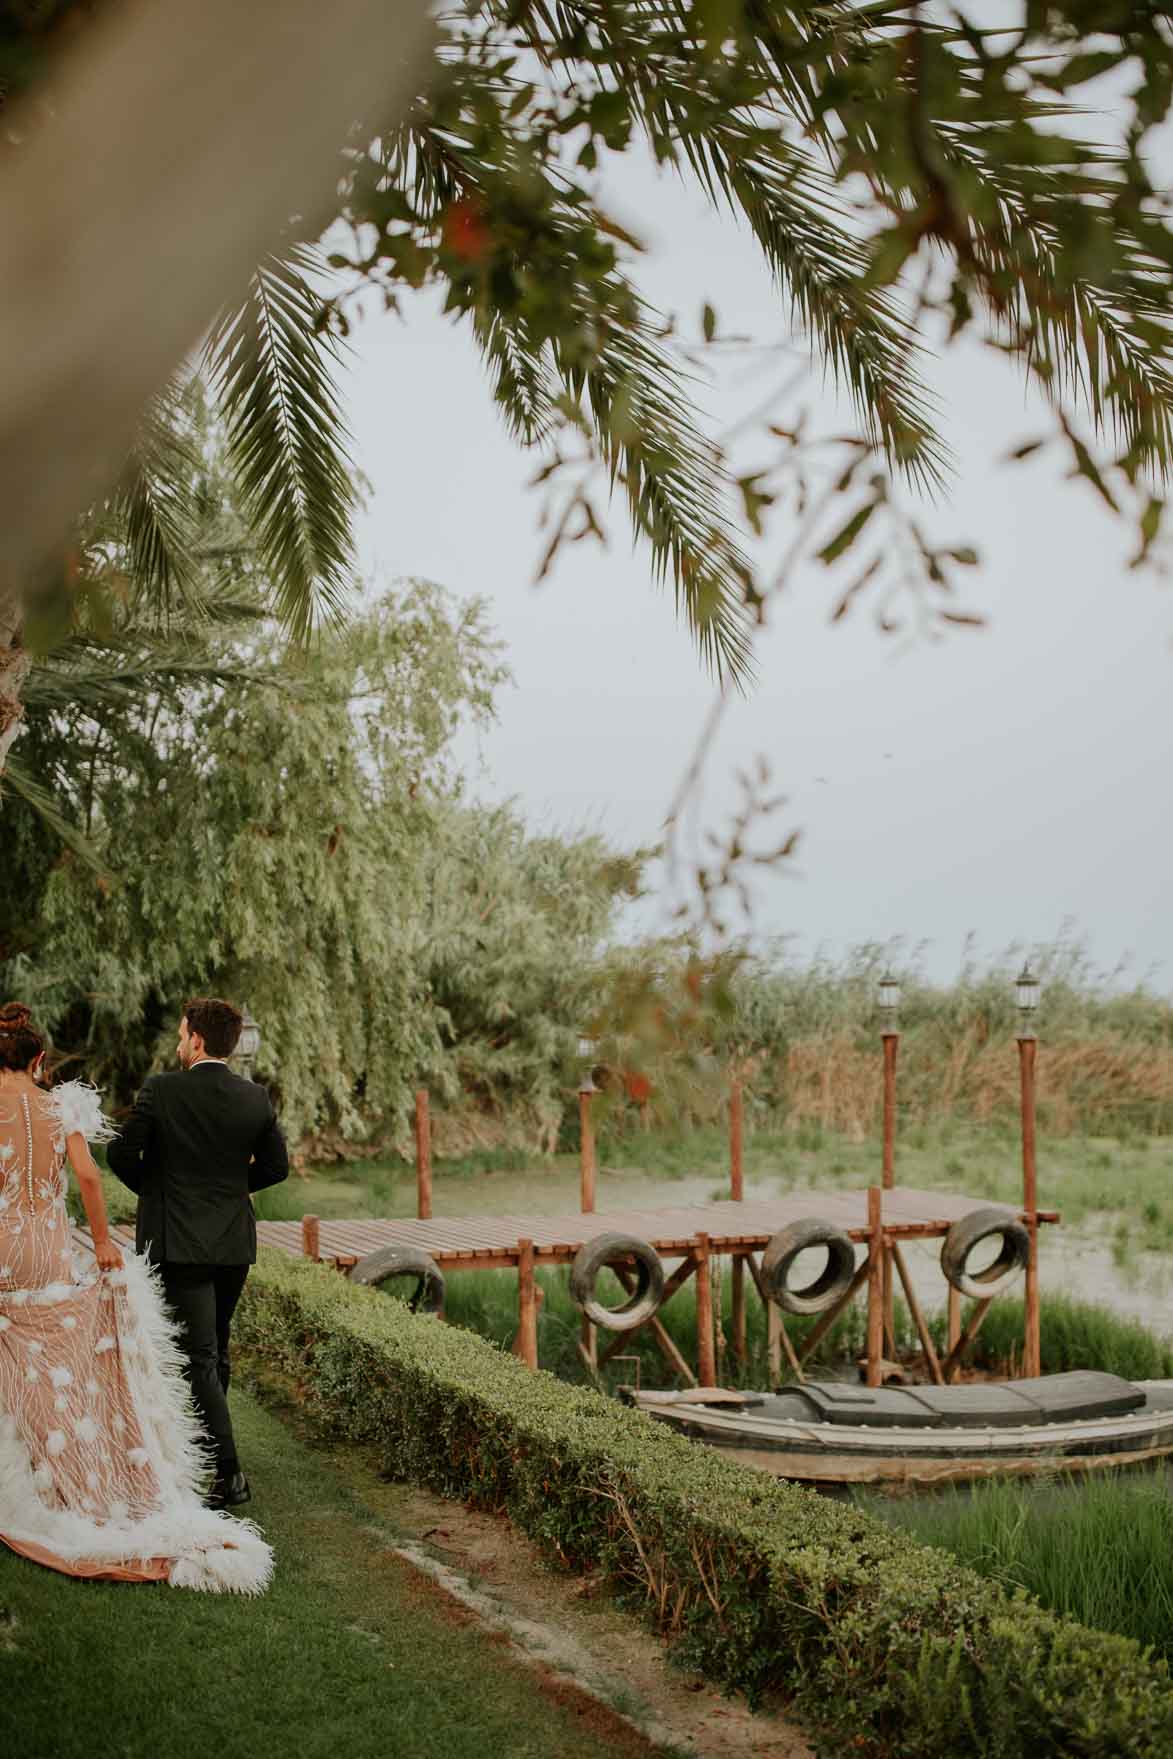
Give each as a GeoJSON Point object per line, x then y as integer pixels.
{"type": "Point", "coordinates": [198, 1141]}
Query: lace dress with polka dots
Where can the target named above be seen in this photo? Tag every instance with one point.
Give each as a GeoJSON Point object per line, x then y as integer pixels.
{"type": "Point", "coordinates": [101, 1461]}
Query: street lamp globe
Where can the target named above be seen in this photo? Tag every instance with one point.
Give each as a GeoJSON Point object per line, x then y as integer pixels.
{"type": "Point", "coordinates": [249, 1042]}
{"type": "Point", "coordinates": [1026, 993]}
{"type": "Point", "coordinates": [888, 995]}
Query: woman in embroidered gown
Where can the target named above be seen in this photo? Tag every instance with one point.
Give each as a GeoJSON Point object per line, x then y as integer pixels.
{"type": "Point", "coordinates": [101, 1459]}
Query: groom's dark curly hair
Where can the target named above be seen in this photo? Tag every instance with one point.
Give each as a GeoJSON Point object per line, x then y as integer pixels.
{"type": "Point", "coordinates": [218, 1024]}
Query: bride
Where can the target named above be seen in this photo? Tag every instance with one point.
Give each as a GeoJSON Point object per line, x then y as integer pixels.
{"type": "Point", "coordinates": [101, 1463]}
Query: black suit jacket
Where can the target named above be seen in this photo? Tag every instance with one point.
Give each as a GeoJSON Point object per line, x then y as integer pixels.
{"type": "Point", "coordinates": [198, 1141]}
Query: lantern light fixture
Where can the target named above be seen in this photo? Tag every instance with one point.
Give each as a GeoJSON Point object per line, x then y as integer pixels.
{"type": "Point", "coordinates": [249, 1042]}
{"type": "Point", "coordinates": [1026, 993]}
{"type": "Point", "coordinates": [888, 995]}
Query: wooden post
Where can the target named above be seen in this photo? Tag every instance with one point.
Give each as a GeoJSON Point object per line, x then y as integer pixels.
{"type": "Point", "coordinates": [773, 1343]}
{"type": "Point", "coordinates": [527, 1307]}
{"type": "Point", "coordinates": [423, 1156]}
{"type": "Point", "coordinates": [736, 1123]}
{"type": "Point", "coordinates": [818, 1332]}
{"type": "Point", "coordinates": [310, 1242]}
{"type": "Point", "coordinates": [737, 1314]}
{"type": "Point", "coordinates": [875, 1285]}
{"type": "Point", "coordinates": [705, 1364]}
{"type": "Point", "coordinates": [914, 1307]}
{"type": "Point", "coordinates": [953, 1311]}
{"type": "Point", "coordinates": [1031, 1353]}
{"type": "Point", "coordinates": [586, 1153]}
{"type": "Point", "coordinates": [891, 1042]}
{"type": "Point", "coordinates": [953, 1361]}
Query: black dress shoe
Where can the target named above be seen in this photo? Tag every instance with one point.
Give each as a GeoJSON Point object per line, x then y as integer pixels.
{"type": "Point", "coordinates": [228, 1492]}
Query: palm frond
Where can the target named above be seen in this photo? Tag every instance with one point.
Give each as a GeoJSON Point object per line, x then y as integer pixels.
{"type": "Point", "coordinates": [271, 364]}
{"type": "Point", "coordinates": [40, 800]}
{"type": "Point", "coordinates": [630, 391]}
{"type": "Point", "coordinates": [153, 502]}
{"type": "Point", "coordinates": [744, 159]}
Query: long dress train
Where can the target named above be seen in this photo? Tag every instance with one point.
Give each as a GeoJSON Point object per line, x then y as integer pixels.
{"type": "Point", "coordinates": [102, 1461]}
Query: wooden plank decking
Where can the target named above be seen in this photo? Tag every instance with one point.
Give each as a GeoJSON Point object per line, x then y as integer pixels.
{"type": "Point", "coordinates": [488, 1242]}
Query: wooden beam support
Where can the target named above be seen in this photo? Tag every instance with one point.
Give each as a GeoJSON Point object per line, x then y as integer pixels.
{"type": "Point", "coordinates": [737, 1314]}
{"type": "Point", "coordinates": [526, 1342]}
{"type": "Point", "coordinates": [311, 1244]}
{"type": "Point", "coordinates": [875, 1348]}
{"type": "Point", "coordinates": [914, 1307]}
{"type": "Point", "coordinates": [953, 1322]}
{"type": "Point", "coordinates": [705, 1364]}
{"type": "Point", "coordinates": [816, 1335]}
{"type": "Point", "coordinates": [586, 1154]}
{"type": "Point", "coordinates": [423, 1156]}
{"type": "Point", "coordinates": [953, 1360]}
{"type": "Point", "coordinates": [774, 1329]}
{"type": "Point", "coordinates": [736, 1130]}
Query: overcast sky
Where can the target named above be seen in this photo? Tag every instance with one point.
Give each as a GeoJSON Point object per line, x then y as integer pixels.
{"type": "Point", "coordinates": [998, 783]}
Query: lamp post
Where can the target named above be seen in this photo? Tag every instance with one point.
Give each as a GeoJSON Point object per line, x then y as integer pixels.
{"type": "Point", "coordinates": [888, 996]}
{"type": "Point", "coordinates": [1026, 995]}
{"type": "Point", "coordinates": [586, 1139]}
{"type": "Point", "coordinates": [248, 1044]}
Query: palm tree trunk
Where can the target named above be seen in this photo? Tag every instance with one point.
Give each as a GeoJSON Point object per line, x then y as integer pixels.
{"type": "Point", "coordinates": [15, 661]}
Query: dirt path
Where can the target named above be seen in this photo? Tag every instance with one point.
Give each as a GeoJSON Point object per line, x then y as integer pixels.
{"type": "Point", "coordinates": [564, 1626]}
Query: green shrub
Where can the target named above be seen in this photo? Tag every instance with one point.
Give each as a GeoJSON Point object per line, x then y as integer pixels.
{"type": "Point", "coordinates": [880, 1645]}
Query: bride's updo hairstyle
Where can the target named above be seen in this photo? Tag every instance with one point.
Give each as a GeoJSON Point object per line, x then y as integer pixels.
{"type": "Point", "coordinates": [20, 1042]}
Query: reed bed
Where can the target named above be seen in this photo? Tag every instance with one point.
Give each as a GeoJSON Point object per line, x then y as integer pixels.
{"type": "Point", "coordinates": [1075, 1334]}
{"type": "Point", "coordinates": [1096, 1549]}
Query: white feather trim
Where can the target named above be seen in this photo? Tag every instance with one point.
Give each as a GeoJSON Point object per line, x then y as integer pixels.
{"type": "Point", "coordinates": [212, 1551]}
{"type": "Point", "coordinates": [78, 1107]}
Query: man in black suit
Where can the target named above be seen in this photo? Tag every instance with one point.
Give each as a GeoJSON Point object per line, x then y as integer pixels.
{"type": "Point", "coordinates": [197, 1143]}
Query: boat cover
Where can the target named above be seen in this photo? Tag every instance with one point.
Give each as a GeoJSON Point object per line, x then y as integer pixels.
{"type": "Point", "coordinates": [1051, 1398]}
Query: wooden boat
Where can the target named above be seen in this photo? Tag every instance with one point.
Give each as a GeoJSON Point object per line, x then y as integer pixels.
{"type": "Point", "coordinates": [827, 1432]}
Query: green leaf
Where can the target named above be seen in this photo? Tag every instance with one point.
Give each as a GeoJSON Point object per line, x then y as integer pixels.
{"type": "Point", "coordinates": [846, 535]}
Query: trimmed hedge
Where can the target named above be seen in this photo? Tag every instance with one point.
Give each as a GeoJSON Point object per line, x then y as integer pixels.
{"type": "Point", "coordinates": [882, 1646]}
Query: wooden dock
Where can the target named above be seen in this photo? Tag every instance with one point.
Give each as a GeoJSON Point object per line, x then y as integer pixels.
{"type": "Point", "coordinates": [692, 1234]}
{"type": "Point", "coordinates": [492, 1242]}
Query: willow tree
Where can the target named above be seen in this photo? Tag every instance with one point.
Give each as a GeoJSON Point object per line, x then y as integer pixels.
{"type": "Point", "coordinates": [299, 840]}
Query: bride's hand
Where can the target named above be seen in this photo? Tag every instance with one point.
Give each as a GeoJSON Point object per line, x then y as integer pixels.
{"type": "Point", "coordinates": [108, 1256]}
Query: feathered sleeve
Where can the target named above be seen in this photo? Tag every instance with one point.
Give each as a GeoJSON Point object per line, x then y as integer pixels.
{"type": "Point", "coordinates": [78, 1107]}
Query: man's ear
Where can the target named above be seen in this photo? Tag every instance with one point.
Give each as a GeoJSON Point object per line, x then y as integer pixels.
{"type": "Point", "coordinates": [196, 1041]}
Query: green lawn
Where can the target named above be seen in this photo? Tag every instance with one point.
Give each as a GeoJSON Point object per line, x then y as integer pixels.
{"type": "Point", "coordinates": [349, 1653]}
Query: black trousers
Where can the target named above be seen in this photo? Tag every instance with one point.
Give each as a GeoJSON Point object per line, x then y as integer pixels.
{"type": "Point", "coordinates": [203, 1297]}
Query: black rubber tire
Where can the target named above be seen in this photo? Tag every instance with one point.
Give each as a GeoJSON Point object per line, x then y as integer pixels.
{"type": "Point", "coordinates": [963, 1236]}
{"type": "Point", "coordinates": [607, 1249]}
{"type": "Point", "coordinates": [396, 1261]}
{"type": "Point", "coordinates": [828, 1287]}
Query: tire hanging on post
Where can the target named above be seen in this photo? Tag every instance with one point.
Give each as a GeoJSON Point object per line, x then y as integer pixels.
{"type": "Point", "coordinates": [832, 1283]}
{"type": "Point", "coordinates": [970, 1231]}
{"type": "Point", "coordinates": [628, 1250]}
{"type": "Point", "coordinates": [404, 1261]}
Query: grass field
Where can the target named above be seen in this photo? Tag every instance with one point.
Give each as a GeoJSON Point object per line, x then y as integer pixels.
{"type": "Point", "coordinates": [350, 1652]}
{"type": "Point", "coordinates": [1097, 1550]}
{"type": "Point", "coordinates": [1130, 1178]}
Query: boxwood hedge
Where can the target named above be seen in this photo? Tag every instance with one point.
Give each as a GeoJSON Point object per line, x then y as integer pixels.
{"type": "Point", "coordinates": [880, 1646]}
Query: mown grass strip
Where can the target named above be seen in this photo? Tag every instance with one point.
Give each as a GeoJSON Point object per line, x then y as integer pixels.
{"type": "Point", "coordinates": [348, 1653]}
{"type": "Point", "coordinates": [881, 1645]}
